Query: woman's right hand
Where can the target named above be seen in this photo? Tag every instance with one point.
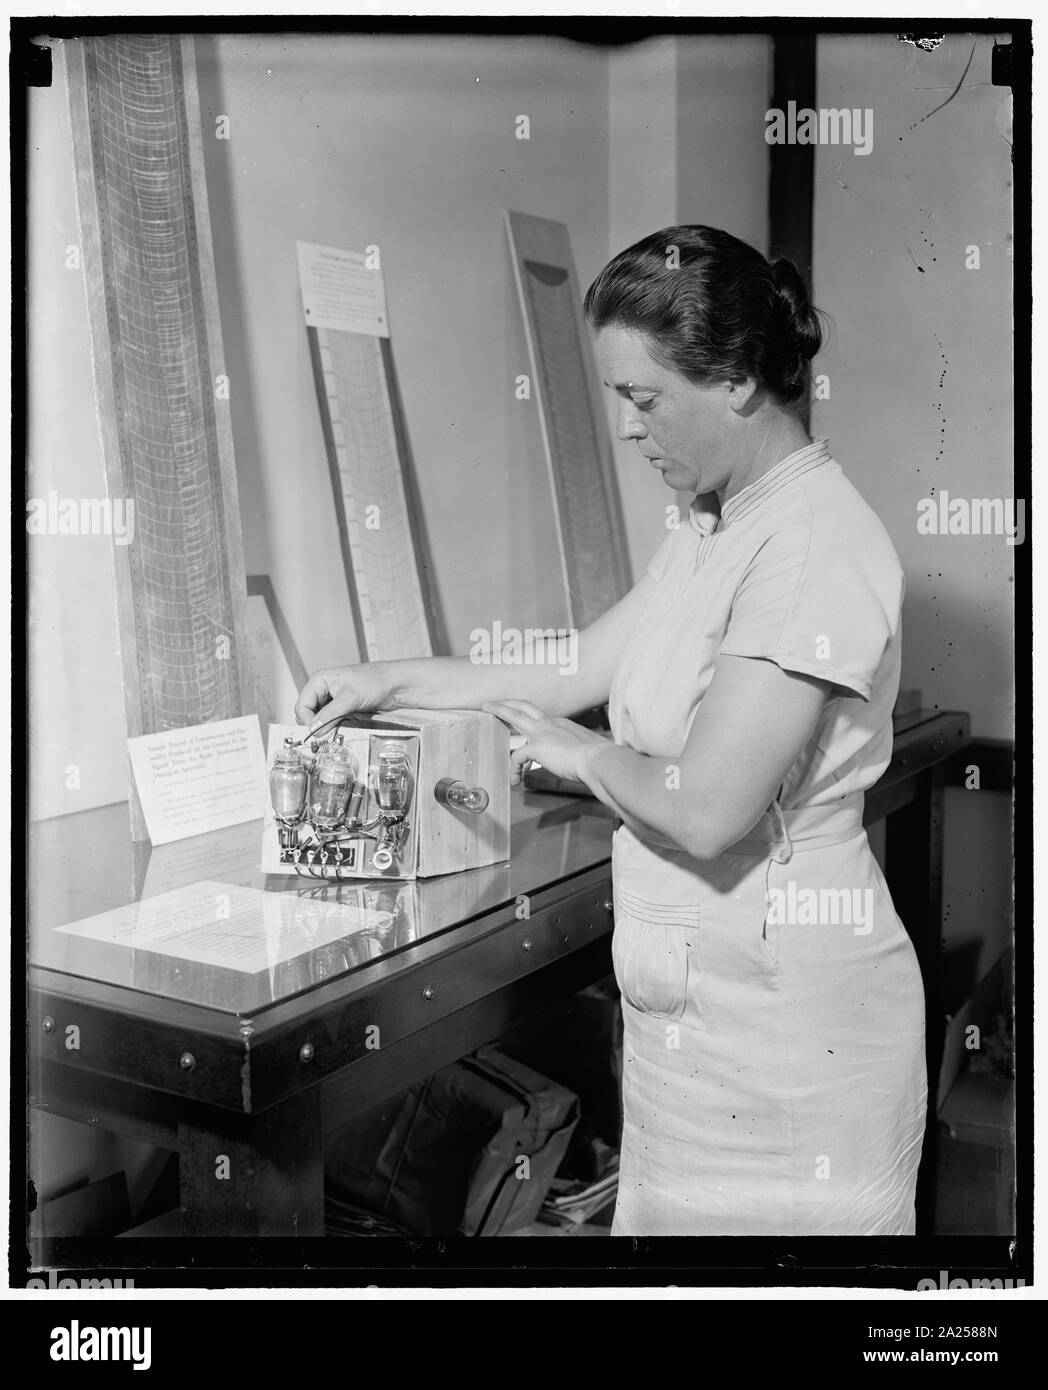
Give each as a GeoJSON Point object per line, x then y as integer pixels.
{"type": "Point", "coordinates": [332, 693]}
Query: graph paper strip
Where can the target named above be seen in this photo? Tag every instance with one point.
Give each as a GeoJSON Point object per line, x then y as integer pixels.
{"type": "Point", "coordinates": [589, 519]}
{"type": "Point", "coordinates": [373, 499]}
{"type": "Point", "coordinates": [156, 346]}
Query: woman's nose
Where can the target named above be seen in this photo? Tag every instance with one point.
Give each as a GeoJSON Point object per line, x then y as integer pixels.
{"type": "Point", "coordinates": [630, 425]}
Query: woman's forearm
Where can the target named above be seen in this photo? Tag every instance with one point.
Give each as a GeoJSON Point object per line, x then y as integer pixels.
{"type": "Point", "coordinates": [647, 794]}
{"type": "Point", "coordinates": [458, 682]}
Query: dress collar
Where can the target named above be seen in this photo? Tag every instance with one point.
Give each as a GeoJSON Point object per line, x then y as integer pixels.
{"type": "Point", "coordinates": [706, 515]}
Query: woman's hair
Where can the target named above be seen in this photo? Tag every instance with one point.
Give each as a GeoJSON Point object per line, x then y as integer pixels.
{"type": "Point", "coordinates": [711, 308]}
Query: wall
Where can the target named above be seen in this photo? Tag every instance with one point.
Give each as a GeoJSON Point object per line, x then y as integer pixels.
{"type": "Point", "coordinates": [919, 373]}
{"type": "Point", "coordinates": [642, 197]}
{"type": "Point", "coordinates": [407, 143]}
{"type": "Point", "coordinates": [721, 156]}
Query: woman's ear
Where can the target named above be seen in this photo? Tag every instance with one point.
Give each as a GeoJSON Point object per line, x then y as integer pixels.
{"type": "Point", "coordinates": [741, 391]}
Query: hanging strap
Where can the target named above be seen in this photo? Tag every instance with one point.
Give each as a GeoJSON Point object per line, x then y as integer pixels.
{"type": "Point", "coordinates": [785, 854]}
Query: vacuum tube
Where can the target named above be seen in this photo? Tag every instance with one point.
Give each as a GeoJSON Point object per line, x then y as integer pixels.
{"type": "Point", "coordinates": [393, 779]}
{"type": "Point", "coordinates": [330, 784]}
{"type": "Point", "coordinates": [287, 790]}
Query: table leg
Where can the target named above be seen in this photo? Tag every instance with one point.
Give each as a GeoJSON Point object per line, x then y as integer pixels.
{"type": "Point", "coordinates": [914, 859]}
{"type": "Point", "coordinates": [253, 1175]}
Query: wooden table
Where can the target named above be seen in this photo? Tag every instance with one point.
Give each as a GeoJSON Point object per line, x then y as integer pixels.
{"type": "Point", "coordinates": [244, 1074]}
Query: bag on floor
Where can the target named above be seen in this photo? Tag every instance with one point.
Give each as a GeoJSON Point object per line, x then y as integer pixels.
{"type": "Point", "coordinates": [471, 1150]}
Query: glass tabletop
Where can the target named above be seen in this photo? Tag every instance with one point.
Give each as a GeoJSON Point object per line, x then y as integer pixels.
{"type": "Point", "coordinates": [199, 921]}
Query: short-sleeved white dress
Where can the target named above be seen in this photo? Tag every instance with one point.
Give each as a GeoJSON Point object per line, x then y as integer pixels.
{"type": "Point", "coordinates": [774, 1069]}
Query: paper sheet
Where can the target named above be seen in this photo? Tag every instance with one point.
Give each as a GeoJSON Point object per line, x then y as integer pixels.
{"type": "Point", "coordinates": [341, 289]}
{"type": "Point", "coordinates": [216, 923]}
{"type": "Point", "coordinates": [200, 778]}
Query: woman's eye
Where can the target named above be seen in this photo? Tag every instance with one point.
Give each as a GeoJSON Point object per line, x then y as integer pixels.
{"type": "Point", "coordinates": [644, 402]}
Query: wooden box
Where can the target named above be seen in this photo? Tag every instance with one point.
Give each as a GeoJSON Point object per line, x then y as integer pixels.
{"type": "Point", "coordinates": [442, 746]}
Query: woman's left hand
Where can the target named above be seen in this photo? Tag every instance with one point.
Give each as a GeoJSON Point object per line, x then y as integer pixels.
{"type": "Point", "coordinates": [560, 745]}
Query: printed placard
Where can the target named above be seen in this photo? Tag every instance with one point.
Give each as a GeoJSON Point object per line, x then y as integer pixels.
{"type": "Point", "coordinates": [341, 289]}
{"type": "Point", "coordinates": [200, 778]}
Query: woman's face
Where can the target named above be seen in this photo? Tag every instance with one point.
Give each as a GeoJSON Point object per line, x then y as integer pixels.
{"type": "Point", "coordinates": [682, 429]}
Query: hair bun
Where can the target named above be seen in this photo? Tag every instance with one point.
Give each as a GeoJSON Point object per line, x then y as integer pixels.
{"type": "Point", "coordinates": [726, 313]}
{"type": "Point", "coordinates": [804, 321]}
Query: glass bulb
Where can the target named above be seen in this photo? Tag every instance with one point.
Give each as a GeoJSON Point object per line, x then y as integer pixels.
{"type": "Point", "coordinates": [288, 784]}
{"type": "Point", "coordinates": [330, 784]}
{"type": "Point", "coordinates": [460, 796]}
{"type": "Point", "coordinates": [393, 778]}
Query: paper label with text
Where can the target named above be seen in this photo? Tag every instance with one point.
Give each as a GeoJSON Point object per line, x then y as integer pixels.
{"type": "Point", "coordinates": [342, 289]}
{"type": "Point", "coordinates": [200, 778]}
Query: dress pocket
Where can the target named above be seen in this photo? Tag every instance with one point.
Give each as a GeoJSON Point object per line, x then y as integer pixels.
{"type": "Point", "coordinates": [652, 951]}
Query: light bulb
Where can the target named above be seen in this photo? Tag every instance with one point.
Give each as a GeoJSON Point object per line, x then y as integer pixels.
{"type": "Point", "coordinates": [460, 796]}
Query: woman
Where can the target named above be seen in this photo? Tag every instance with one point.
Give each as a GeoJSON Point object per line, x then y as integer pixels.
{"type": "Point", "coordinates": [773, 1078]}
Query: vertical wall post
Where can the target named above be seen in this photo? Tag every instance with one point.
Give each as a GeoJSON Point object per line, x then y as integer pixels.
{"type": "Point", "coordinates": [791, 168]}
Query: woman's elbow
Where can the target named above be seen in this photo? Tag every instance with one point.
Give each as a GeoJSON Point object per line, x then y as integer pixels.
{"type": "Point", "coordinates": [705, 836]}
{"type": "Point", "coordinates": [711, 830]}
